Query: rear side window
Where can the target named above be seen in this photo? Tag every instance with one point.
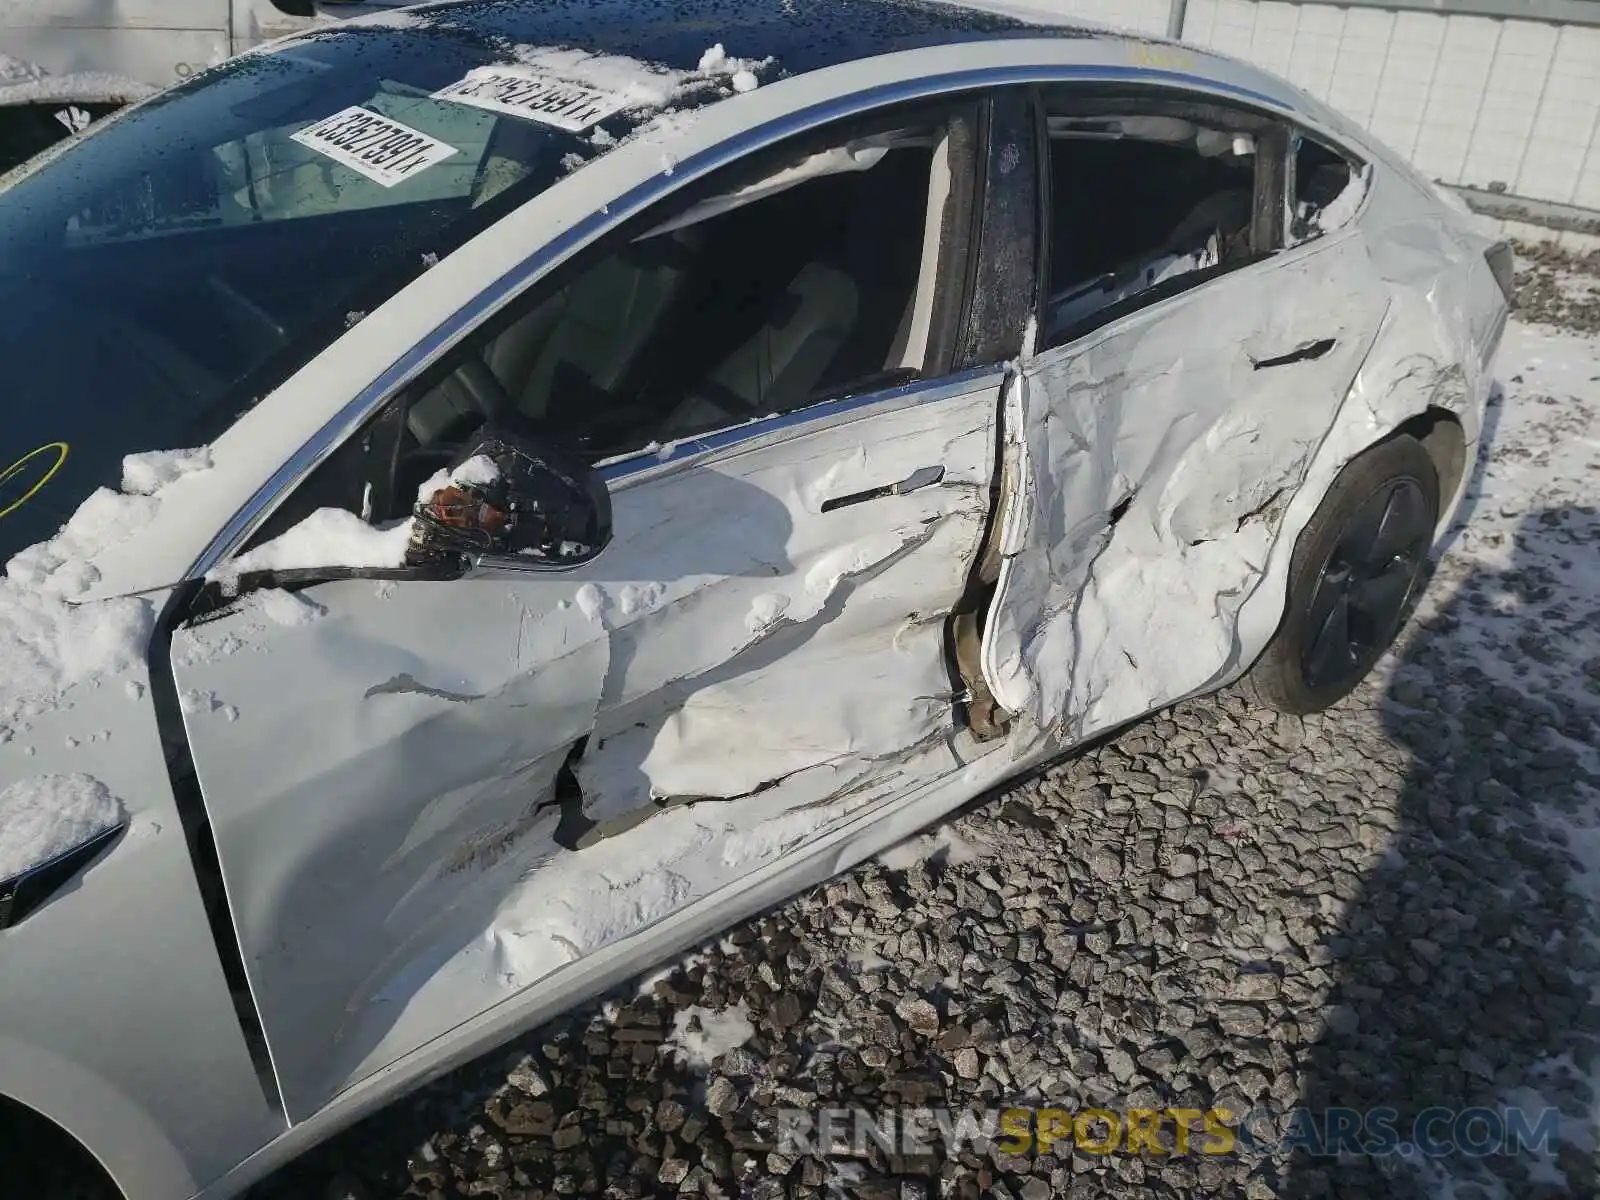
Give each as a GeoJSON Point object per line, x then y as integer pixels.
{"type": "Point", "coordinates": [1325, 189]}
{"type": "Point", "coordinates": [1145, 199]}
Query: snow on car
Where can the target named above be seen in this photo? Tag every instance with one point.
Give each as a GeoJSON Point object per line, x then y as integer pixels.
{"type": "Point", "coordinates": [634, 469]}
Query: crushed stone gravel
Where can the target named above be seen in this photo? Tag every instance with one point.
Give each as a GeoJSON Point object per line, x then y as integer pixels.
{"type": "Point", "coordinates": [1557, 286]}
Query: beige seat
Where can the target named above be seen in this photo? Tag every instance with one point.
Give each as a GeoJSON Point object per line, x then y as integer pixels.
{"type": "Point", "coordinates": [778, 366]}
{"type": "Point", "coordinates": [591, 331]}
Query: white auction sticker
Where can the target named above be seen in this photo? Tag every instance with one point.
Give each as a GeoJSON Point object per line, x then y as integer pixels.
{"type": "Point", "coordinates": [380, 148]}
{"type": "Point", "coordinates": [544, 98]}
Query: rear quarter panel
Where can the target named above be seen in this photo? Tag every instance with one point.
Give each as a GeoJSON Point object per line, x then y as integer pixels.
{"type": "Point", "coordinates": [1434, 349]}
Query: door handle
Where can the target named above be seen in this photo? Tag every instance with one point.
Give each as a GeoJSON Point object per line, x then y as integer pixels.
{"type": "Point", "coordinates": [920, 478]}
{"type": "Point", "coordinates": [1309, 352]}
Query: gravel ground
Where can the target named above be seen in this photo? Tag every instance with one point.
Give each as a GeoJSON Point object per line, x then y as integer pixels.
{"type": "Point", "coordinates": [1558, 287]}
{"type": "Point", "coordinates": [1389, 904]}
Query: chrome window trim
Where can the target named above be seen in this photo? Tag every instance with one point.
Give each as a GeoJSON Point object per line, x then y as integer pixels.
{"type": "Point", "coordinates": [513, 282]}
{"type": "Point", "coordinates": [822, 415]}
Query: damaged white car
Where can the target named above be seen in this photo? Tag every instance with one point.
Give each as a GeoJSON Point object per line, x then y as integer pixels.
{"type": "Point", "coordinates": [632, 470]}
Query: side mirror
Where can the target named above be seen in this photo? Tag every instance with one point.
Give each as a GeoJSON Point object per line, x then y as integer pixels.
{"type": "Point", "coordinates": [511, 495]}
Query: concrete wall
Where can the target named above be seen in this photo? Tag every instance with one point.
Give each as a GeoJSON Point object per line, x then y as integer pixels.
{"type": "Point", "coordinates": [1471, 100]}
{"type": "Point", "coordinates": [1478, 101]}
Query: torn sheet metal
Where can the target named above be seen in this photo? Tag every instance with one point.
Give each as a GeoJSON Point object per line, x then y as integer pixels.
{"type": "Point", "coordinates": [572, 904]}
{"type": "Point", "coordinates": [1154, 456]}
{"type": "Point", "coordinates": [1166, 465]}
{"type": "Point", "coordinates": [493, 775]}
{"type": "Point", "coordinates": [819, 636]}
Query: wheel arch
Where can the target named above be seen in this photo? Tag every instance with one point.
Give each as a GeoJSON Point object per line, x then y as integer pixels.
{"type": "Point", "coordinates": [1442, 436]}
{"type": "Point", "coordinates": [104, 1126]}
{"type": "Point", "coordinates": [32, 1143]}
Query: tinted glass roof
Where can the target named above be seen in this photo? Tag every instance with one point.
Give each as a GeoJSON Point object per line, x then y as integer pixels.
{"type": "Point", "coordinates": [801, 35]}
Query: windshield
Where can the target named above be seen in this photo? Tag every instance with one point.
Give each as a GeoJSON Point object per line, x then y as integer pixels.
{"type": "Point", "coordinates": [165, 272]}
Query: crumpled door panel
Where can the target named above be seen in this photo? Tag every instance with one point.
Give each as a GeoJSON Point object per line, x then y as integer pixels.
{"type": "Point", "coordinates": [384, 762]}
{"type": "Point", "coordinates": [824, 645]}
{"type": "Point", "coordinates": [1152, 462]}
{"type": "Point", "coordinates": [749, 710]}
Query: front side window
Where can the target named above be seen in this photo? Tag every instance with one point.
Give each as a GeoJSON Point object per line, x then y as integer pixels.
{"type": "Point", "coordinates": [166, 271]}
{"type": "Point", "coordinates": [815, 276]}
{"type": "Point", "coordinates": [753, 303]}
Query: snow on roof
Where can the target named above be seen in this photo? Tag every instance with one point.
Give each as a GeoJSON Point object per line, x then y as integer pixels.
{"type": "Point", "coordinates": [23, 82]}
{"type": "Point", "coordinates": [80, 87]}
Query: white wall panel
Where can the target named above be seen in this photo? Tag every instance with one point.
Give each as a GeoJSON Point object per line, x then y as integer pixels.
{"type": "Point", "coordinates": [1465, 60]}
{"type": "Point", "coordinates": [1471, 100]}
{"type": "Point", "coordinates": [1510, 102]}
{"type": "Point", "coordinates": [1567, 128]}
{"type": "Point", "coordinates": [1480, 101]}
{"type": "Point", "coordinates": [1409, 71]}
{"type": "Point", "coordinates": [1315, 56]}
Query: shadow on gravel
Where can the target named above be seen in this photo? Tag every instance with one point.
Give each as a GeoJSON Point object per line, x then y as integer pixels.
{"type": "Point", "coordinates": [1464, 975]}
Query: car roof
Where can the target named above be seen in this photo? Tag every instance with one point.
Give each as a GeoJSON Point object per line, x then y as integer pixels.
{"type": "Point", "coordinates": [799, 35]}
{"type": "Point", "coordinates": [793, 38]}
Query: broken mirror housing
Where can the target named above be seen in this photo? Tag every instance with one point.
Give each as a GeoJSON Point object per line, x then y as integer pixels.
{"type": "Point", "coordinates": [513, 494]}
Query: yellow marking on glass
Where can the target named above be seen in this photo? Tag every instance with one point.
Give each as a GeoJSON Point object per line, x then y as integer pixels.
{"type": "Point", "coordinates": [6, 476]}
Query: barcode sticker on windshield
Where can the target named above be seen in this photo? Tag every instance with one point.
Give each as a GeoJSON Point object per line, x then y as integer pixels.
{"type": "Point", "coordinates": [543, 98]}
{"type": "Point", "coordinates": [380, 148]}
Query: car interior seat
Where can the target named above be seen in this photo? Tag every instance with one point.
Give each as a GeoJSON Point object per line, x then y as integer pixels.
{"type": "Point", "coordinates": [579, 342]}
{"type": "Point", "coordinates": [1224, 215]}
{"type": "Point", "coordinates": [778, 365]}
{"type": "Point", "coordinates": [840, 314]}
{"type": "Point", "coordinates": [606, 318]}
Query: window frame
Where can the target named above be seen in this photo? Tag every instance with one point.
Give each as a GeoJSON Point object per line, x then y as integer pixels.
{"type": "Point", "coordinates": [1272, 178]}
{"type": "Point", "coordinates": [381, 433]}
{"type": "Point", "coordinates": [1355, 163]}
{"type": "Point", "coordinates": [1007, 239]}
{"type": "Point", "coordinates": [954, 274]}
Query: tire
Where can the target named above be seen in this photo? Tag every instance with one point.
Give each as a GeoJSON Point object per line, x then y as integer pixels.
{"type": "Point", "coordinates": [1358, 568]}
